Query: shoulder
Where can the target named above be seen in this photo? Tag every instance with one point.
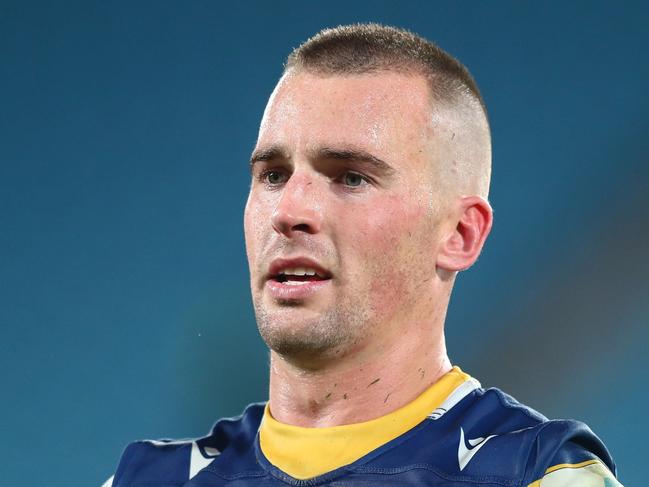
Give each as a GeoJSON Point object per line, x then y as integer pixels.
{"type": "Point", "coordinates": [537, 448]}
{"type": "Point", "coordinates": [485, 435]}
{"type": "Point", "coordinates": [567, 452]}
{"type": "Point", "coordinates": [174, 462]}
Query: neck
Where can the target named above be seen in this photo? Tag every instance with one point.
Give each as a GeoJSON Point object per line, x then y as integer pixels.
{"type": "Point", "coordinates": [360, 386]}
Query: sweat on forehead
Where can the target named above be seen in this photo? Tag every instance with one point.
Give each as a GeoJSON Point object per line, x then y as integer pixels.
{"type": "Point", "coordinates": [375, 113]}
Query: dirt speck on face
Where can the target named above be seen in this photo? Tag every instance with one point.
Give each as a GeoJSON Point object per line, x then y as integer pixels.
{"type": "Point", "coordinates": [373, 382]}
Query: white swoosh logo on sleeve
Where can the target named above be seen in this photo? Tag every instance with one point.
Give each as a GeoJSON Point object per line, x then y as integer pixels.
{"type": "Point", "coordinates": [464, 454]}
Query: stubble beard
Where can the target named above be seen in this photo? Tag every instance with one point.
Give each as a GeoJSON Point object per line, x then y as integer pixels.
{"type": "Point", "coordinates": [332, 334]}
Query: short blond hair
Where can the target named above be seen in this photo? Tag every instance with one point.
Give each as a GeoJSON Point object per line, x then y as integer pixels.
{"type": "Point", "coordinates": [367, 48]}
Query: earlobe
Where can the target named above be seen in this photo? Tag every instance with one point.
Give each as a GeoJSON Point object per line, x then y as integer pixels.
{"type": "Point", "coordinates": [463, 245]}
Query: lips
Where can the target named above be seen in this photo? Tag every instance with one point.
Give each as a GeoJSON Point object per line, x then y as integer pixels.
{"type": "Point", "coordinates": [295, 279]}
{"type": "Point", "coordinates": [300, 269]}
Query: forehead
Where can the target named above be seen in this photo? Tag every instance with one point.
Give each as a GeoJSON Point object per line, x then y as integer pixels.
{"type": "Point", "coordinates": [385, 112]}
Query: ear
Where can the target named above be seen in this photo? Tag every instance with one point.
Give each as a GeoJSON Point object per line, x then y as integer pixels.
{"type": "Point", "coordinates": [462, 246]}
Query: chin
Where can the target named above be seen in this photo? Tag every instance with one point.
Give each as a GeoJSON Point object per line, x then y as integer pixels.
{"type": "Point", "coordinates": [298, 333]}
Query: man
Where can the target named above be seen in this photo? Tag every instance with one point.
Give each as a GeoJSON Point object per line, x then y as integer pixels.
{"type": "Point", "coordinates": [369, 194]}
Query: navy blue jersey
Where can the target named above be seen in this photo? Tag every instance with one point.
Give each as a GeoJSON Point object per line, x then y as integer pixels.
{"type": "Point", "coordinates": [475, 437]}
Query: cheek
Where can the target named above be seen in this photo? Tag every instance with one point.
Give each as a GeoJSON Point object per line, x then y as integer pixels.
{"type": "Point", "coordinates": [253, 218]}
{"type": "Point", "coordinates": [394, 226]}
{"type": "Point", "coordinates": [395, 253]}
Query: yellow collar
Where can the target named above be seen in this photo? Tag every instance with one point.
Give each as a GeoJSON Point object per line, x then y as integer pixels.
{"type": "Point", "coordinates": [307, 452]}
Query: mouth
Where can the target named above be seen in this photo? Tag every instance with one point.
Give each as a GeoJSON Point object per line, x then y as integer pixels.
{"type": "Point", "coordinates": [292, 276]}
{"type": "Point", "coordinates": [296, 278]}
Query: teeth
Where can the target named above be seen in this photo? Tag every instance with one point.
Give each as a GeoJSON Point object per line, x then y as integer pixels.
{"type": "Point", "coordinates": [295, 283]}
{"type": "Point", "coordinates": [299, 271]}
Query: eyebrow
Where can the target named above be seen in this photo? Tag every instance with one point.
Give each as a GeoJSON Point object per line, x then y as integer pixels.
{"type": "Point", "coordinates": [269, 154]}
{"type": "Point", "coordinates": [348, 154]}
{"type": "Point", "coordinates": [354, 155]}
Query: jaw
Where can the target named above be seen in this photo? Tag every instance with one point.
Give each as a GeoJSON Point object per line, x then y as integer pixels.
{"type": "Point", "coordinates": [309, 333]}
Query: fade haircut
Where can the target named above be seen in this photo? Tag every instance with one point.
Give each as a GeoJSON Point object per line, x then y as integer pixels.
{"type": "Point", "coordinates": [369, 48]}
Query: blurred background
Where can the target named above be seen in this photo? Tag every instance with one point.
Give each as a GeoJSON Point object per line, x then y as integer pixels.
{"type": "Point", "coordinates": [125, 130]}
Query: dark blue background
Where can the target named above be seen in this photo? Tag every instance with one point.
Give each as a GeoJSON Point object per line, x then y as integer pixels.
{"type": "Point", "coordinates": [125, 129]}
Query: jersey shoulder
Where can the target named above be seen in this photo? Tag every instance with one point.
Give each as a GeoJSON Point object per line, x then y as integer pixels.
{"type": "Point", "coordinates": [567, 452]}
{"type": "Point", "coordinates": [495, 436]}
{"type": "Point", "coordinates": [167, 463]}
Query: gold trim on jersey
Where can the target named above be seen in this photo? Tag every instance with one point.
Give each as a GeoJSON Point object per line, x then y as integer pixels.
{"type": "Point", "coordinates": [590, 473]}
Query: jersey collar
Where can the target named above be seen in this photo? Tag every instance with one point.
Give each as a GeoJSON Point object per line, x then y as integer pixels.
{"type": "Point", "coordinates": [308, 452]}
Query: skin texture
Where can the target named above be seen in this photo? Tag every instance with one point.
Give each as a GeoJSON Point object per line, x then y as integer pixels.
{"type": "Point", "coordinates": [392, 236]}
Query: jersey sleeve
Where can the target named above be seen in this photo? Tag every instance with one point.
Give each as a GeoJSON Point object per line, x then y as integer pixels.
{"type": "Point", "coordinates": [568, 453]}
{"type": "Point", "coordinates": [592, 473]}
{"type": "Point", "coordinates": [160, 463]}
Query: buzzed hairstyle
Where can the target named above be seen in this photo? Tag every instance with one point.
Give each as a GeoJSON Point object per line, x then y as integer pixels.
{"type": "Point", "coordinates": [367, 48]}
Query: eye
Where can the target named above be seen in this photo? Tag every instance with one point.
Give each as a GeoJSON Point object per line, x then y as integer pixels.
{"type": "Point", "coordinates": [353, 179]}
{"type": "Point", "coordinates": [273, 177]}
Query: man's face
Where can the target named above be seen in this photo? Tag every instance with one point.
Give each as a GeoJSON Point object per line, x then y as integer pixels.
{"type": "Point", "coordinates": [343, 218]}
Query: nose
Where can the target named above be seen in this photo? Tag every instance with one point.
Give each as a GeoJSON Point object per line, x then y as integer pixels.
{"type": "Point", "coordinates": [298, 208]}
